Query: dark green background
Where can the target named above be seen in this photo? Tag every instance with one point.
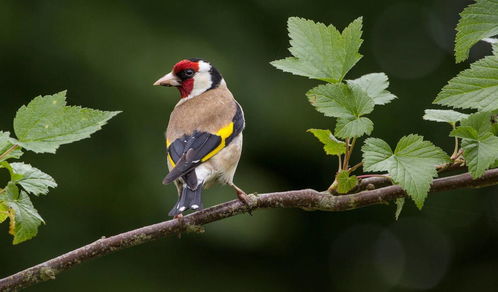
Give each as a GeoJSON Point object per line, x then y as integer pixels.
{"type": "Point", "coordinates": [107, 54]}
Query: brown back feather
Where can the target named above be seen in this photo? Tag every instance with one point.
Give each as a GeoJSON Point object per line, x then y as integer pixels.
{"type": "Point", "coordinates": [207, 112]}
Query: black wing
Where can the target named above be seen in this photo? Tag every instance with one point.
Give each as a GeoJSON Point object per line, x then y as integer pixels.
{"type": "Point", "coordinates": [189, 151]}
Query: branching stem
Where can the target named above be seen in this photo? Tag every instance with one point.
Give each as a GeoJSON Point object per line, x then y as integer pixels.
{"type": "Point", "coordinates": [305, 199]}
{"type": "Point", "coordinates": [349, 150]}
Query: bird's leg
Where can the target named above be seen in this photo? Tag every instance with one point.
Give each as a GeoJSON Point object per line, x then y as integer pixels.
{"type": "Point", "coordinates": [242, 197]}
{"type": "Point", "coordinates": [241, 194]}
{"type": "Point", "coordinates": [179, 217]}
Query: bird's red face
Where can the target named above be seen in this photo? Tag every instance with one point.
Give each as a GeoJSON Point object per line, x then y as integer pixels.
{"type": "Point", "coordinates": [192, 77]}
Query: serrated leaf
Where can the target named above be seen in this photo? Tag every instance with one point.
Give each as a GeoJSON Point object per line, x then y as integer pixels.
{"type": "Point", "coordinates": [465, 132]}
{"type": "Point", "coordinates": [477, 21]}
{"type": "Point", "coordinates": [5, 145]}
{"type": "Point", "coordinates": [26, 218]}
{"type": "Point", "coordinates": [345, 183]}
{"type": "Point", "coordinates": [480, 121]}
{"type": "Point", "coordinates": [474, 125]}
{"type": "Point", "coordinates": [353, 127]}
{"type": "Point", "coordinates": [33, 180]}
{"type": "Point", "coordinates": [446, 116]}
{"type": "Point", "coordinates": [46, 123]}
{"type": "Point", "coordinates": [412, 165]}
{"type": "Point", "coordinates": [480, 153]}
{"type": "Point", "coordinates": [340, 101]}
{"type": "Point", "coordinates": [400, 202]}
{"type": "Point", "coordinates": [331, 145]}
{"type": "Point", "coordinates": [321, 52]}
{"type": "Point", "coordinates": [474, 88]}
{"type": "Point", "coordinates": [375, 85]}
{"type": "Point", "coordinates": [480, 146]}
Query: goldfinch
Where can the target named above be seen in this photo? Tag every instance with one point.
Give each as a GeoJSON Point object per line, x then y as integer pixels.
{"type": "Point", "coordinates": [204, 133]}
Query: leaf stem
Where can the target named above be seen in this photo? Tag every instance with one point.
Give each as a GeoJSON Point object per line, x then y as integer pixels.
{"type": "Point", "coordinates": [355, 167]}
{"type": "Point", "coordinates": [345, 162]}
{"type": "Point", "coordinates": [454, 155]}
{"type": "Point", "coordinates": [8, 151]}
{"type": "Point", "coordinates": [349, 150]}
{"type": "Point", "coordinates": [455, 151]}
{"type": "Point", "coordinates": [340, 162]}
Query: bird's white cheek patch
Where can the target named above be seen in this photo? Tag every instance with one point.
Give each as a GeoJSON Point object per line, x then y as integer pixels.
{"type": "Point", "coordinates": [202, 82]}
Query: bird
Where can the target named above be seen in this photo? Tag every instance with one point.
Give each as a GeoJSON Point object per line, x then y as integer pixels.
{"type": "Point", "coordinates": [203, 135]}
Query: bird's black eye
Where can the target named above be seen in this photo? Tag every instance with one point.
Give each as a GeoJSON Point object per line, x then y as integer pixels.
{"type": "Point", "coordinates": [189, 72]}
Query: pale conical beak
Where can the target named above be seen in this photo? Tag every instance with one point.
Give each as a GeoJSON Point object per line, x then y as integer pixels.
{"type": "Point", "coordinates": [168, 80]}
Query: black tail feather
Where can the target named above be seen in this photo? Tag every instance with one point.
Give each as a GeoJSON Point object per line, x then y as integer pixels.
{"type": "Point", "coordinates": [189, 199]}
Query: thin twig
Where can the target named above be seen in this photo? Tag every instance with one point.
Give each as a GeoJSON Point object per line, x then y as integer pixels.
{"type": "Point", "coordinates": [345, 162]}
{"type": "Point", "coordinates": [349, 151]}
{"type": "Point", "coordinates": [305, 199]}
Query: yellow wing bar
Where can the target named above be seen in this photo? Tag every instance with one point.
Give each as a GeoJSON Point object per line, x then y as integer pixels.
{"type": "Point", "coordinates": [169, 156]}
{"type": "Point", "coordinates": [223, 133]}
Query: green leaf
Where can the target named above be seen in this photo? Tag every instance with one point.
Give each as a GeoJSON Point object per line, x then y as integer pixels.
{"type": "Point", "coordinates": [375, 85]}
{"type": "Point", "coordinates": [321, 52]}
{"type": "Point", "coordinates": [447, 116]}
{"type": "Point", "coordinates": [13, 176]}
{"type": "Point", "coordinates": [494, 46]}
{"type": "Point", "coordinates": [480, 154]}
{"type": "Point", "coordinates": [345, 182]}
{"type": "Point", "coordinates": [474, 88]}
{"type": "Point", "coordinates": [46, 123]}
{"type": "Point", "coordinates": [353, 127]}
{"type": "Point", "coordinates": [11, 192]}
{"type": "Point", "coordinates": [412, 165]}
{"type": "Point", "coordinates": [477, 21]}
{"type": "Point", "coordinates": [480, 146]}
{"type": "Point", "coordinates": [331, 145]}
{"type": "Point", "coordinates": [480, 121]}
{"type": "Point", "coordinates": [4, 212]}
{"type": "Point", "coordinates": [400, 202]}
{"type": "Point", "coordinates": [341, 101]}
{"type": "Point", "coordinates": [26, 218]}
{"type": "Point", "coordinates": [474, 125]}
{"type": "Point", "coordinates": [5, 145]}
{"type": "Point", "coordinates": [465, 132]}
{"type": "Point", "coordinates": [33, 180]}
{"type": "Point", "coordinates": [494, 129]}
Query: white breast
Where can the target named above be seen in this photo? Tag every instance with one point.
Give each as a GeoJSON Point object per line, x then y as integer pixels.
{"type": "Point", "coordinates": [221, 166]}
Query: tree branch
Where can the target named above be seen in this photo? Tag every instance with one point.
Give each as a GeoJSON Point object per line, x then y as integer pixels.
{"type": "Point", "coordinates": [307, 199]}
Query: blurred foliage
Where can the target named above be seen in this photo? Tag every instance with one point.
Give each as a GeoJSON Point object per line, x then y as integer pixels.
{"type": "Point", "coordinates": [108, 53]}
